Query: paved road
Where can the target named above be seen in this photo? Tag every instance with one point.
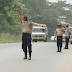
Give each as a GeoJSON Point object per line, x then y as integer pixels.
{"type": "Point", "coordinates": [44, 58]}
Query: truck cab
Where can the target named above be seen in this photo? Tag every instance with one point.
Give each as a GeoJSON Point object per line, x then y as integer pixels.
{"type": "Point", "coordinates": [39, 33]}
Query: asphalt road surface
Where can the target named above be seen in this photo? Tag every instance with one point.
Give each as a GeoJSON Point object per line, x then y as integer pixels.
{"type": "Point", "coordinates": [44, 58]}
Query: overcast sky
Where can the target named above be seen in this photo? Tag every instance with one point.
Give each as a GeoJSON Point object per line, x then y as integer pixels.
{"type": "Point", "coordinates": [68, 1]}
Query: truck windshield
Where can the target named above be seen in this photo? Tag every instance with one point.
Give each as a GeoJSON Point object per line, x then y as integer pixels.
{"type": "Point", "coordinates": [42, 30]}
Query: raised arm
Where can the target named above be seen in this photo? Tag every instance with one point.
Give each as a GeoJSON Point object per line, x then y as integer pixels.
{"type": "Point", "coordinates": [18, 14]}
{"type": "Point", "coordinates": [64, 28]}
{"type": "Point", "coordinates": [36, 24]}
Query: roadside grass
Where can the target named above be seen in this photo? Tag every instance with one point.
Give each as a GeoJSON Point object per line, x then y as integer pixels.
{"type": "Point", "coordinates": [7, 38]}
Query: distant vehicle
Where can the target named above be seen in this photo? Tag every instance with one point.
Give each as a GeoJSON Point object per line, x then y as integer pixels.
{"type": "Point", "coordinates": [52, 39]}
{"type": "Point", "coordinates": [39, 33]}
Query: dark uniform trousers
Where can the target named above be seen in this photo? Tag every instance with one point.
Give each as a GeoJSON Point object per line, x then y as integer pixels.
{"type": "Point", "coordinates": [26, 41]}
{"type": "Point", "coordinates": [67, 41]}
{"type": "Point", "coordinates": [59, 42]}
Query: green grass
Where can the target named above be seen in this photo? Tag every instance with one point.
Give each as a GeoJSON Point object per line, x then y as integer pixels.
{"type": "Point", "coordinates": [7, 38]}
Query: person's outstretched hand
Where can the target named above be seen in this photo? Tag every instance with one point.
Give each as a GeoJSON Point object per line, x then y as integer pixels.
{"type": "Point", "coordinates": [17, 8]}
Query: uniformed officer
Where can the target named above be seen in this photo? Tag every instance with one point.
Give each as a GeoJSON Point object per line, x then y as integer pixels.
{"type": "Point", "coordinates": [59, 33]}
{"type": "Point", "coordinates": [67, 35]}
{"type": "Point", "coordinates": [26, 29]}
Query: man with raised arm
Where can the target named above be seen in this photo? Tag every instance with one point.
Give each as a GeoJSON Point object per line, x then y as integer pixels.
{"type": "Point", "coordinates": [67, 35]}
{"type": "Point", "coordinates": [59, 33]}
{"type": "Point", "coordinates": [26, 30]}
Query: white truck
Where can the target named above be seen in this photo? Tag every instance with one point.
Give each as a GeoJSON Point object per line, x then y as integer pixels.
{"type": "Point", "coordinates": [39, 33]}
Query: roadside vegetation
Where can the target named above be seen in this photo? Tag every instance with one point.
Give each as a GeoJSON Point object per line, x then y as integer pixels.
{"type": "Point", "coordinates": [39, 11]}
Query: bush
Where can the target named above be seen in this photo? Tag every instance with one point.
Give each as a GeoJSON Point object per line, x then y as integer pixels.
{"type": "Point", "coordinates": [8, 38]}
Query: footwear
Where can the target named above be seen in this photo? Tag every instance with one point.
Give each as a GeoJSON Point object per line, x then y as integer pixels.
{"type": "Point", "coordinates": [25, 57]}
{"type": "Point", "coordinates": [58, 51]}
{"type": "Point", "coordinates": [29, 57]}
{"type": "Point", "coordinates": [65, 48]}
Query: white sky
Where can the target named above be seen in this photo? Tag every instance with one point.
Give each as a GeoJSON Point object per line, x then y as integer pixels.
{"type": "Point", "coordinates": [68, 1]}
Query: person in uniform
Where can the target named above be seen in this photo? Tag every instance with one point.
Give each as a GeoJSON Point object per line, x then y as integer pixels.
{"type": "Point", "coordinates": [67, 35]}
{"type": "Point", "coordinates": [59, 33]}
{"type": "Point", "coordinates": [26, 30]}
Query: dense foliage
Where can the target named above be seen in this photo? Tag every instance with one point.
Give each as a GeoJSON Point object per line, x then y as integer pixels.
{"type": "Point", "coordinates": [39, 11]}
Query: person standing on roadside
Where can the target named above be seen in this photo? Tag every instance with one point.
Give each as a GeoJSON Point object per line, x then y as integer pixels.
{"type": "Point", "coordinates": [67, 36]}
{"type": "Point", "coordinates": [26, 30]}
{"type": "Point", "coordinates": [59, 33]}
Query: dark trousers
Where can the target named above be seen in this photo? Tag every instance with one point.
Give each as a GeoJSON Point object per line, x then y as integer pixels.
{"type": "Point", "coordinates": [59, 42]}
{"type": "Point", "coordinates": [26, 41]}
{"type": "Point", "coordinates": [67, 41]}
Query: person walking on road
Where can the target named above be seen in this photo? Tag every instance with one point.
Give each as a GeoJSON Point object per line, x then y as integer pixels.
{"type": "Point", "coordinates": [26, 30]}
{"type": "Point", "coordinates": [67, 35]}
{"type": "Point", "coordinates": [59, 33]}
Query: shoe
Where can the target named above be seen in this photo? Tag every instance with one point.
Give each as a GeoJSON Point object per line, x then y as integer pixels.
{"type": "Point", "coordinates": [29, 57]}
{"type": "Point", "coordinates": [25, 57]}
{"type": "Point", "coordinates": [58, 51]}
{"type": "Point", "coordinates": [65, 48]}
